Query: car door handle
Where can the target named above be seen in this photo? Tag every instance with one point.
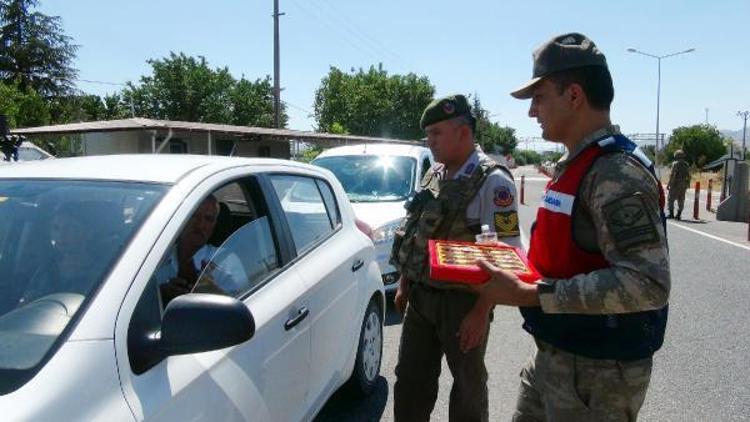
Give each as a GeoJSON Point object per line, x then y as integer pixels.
{"type": "Point", "coordinates": [292, 322]}
{"type": "Point", "coordinates": [357, 265]}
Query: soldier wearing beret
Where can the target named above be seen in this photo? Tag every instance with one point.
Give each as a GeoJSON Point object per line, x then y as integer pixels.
{"type": "Point", "coordinates": [599, 312]}
{"type": "Point", "coordinates": [462, 192]}
{"type": "Point", "coordinates": [679, 182]}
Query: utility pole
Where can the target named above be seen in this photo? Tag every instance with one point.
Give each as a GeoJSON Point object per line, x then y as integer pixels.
{"type": "Point", "coordinates": [276, 83]}
{"type": "Point", "coordinates": [744, 115]}
{"type": "Point", "coordinates": [706, 115]}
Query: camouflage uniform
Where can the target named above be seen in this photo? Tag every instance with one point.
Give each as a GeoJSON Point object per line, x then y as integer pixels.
{"type": "Point", "coordinates": [679, 182]}
{"type": "Point", "coordinates": [557, 385]}
{"type": "Point", "coordinates": [481, 193]}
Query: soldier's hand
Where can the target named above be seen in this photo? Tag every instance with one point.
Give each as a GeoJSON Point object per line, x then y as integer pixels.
{"type": "Point", "coordinates": [473, 328]}
{"type": "Point", "coordinates": [402, 295]}
{"type": "Point", "coordinates": [505, 288]}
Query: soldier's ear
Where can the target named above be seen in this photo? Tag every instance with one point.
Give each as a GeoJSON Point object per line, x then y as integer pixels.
{"type": "Point", "coordinates": [576, 95]}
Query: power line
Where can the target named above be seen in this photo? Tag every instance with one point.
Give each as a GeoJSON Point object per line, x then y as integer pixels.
{"type": "Point", "coordinates": [321, 19]}
{"type": "Point", "coordinates": [349, 26]}
{"type": "Point", "coordinates": [101, 82]}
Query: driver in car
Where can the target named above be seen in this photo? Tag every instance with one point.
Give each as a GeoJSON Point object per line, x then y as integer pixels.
{"type": "Point", "coordinates": [192, 256]}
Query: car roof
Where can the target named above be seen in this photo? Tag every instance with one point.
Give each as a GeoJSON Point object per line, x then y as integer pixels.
{"type": "Point", "coordinates": [375, 149]}
{"type": "Point", "coordinates": [155, 168]}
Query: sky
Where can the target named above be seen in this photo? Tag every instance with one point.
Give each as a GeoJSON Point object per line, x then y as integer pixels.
{"type": "Point", "coordinates": [481, 47]}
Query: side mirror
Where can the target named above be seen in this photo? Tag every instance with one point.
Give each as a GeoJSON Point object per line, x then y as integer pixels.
{"type": "Point", "coordinates": [196, 322]}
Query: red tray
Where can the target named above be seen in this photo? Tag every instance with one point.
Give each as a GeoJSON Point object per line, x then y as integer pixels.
{"type": "Point", "coordinates": [463, 255]}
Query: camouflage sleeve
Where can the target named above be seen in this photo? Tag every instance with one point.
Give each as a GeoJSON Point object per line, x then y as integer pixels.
{"type": "Point", "coordinates": [623, 201]}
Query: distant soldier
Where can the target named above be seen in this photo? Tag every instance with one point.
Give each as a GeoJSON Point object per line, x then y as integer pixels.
{"type": "Point", "coordinates": [679, 182]}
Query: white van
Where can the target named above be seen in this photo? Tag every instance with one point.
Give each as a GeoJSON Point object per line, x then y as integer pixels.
{"type": "Point", "coordinates": [378, 179]}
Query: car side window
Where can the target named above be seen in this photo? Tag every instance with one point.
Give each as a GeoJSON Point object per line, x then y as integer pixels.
{"type": "Point", "coordinates": [226, 247]}
{"type": "Point", "coordinates": [306, 209]}
{"type": "Point", "coordinates": [330, 202]}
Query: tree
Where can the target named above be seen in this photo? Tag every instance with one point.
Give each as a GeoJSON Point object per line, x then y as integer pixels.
{"type": "Point", "coordinates": [34, 51]}
{"type": "Point", "coordinates": [186, 88]}
{"type": "Point", "coordinates": [524, 157]}
{"type": "Point", "coordinates": [372, 103]}
{"type": "Point", "coordinates": [490, 135]}
{"type": "Point", "coordinates": [502, 138]}
{"type": "Point", "coordinates": [23, 108]}
{"type": "Point", "coordinates": [701, 143]}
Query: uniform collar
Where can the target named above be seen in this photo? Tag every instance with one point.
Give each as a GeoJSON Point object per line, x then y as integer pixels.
{"type": "Point", "coordinates": [587, 140]}
{"type": "Point", "coordinates": [470, 164]}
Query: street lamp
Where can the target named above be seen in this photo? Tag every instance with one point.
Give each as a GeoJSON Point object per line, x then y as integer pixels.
{"type": "Point", "coordinates": [658, 89]}
{"type": "Point", "coordinates": [744, 115]}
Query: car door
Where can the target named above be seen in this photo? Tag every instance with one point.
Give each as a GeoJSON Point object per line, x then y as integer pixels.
{"type": "Point", "coordinates": [329, 260]}
{"type": "Point", "coordinates": [263, 379]}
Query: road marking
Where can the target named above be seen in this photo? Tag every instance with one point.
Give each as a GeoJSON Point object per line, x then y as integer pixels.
{"type": "Point", "coordinates": [720, 239]}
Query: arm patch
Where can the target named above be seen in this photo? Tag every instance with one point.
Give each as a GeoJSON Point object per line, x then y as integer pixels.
{"type": "Point", "coordinates": [629, 222]}
{"type": "Point", "coordinates": [506, 223]}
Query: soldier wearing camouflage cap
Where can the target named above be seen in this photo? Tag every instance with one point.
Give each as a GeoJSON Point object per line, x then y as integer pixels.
{"type": "Point", "coordinates": [462, 192]}
{"type": "Point", "coordinates": [679, 182]}
{"type": "Point", "coordinates": [599, 312]}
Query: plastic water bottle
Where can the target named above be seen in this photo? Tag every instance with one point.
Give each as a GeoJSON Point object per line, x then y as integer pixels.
{"type": "Point", "coordinates": [487, 237]}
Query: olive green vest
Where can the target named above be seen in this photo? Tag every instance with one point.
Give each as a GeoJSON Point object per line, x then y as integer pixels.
{"type": "Point", "coordinates": [438, 211]}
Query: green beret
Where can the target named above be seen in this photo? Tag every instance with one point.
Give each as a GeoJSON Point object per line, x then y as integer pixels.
{"type": "Point", "coordinates": [445, 108]}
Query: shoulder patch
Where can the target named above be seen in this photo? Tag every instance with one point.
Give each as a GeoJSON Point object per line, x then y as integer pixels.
{"type": "Point", "coordinates": [502, 196]}
{"type": "Point", "coordinates": [506, 223]}
{"type": "Point", "coordinates": [629, 222]}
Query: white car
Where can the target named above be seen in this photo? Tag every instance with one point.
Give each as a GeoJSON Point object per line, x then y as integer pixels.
{"type": "Point", "coordinates": [84, 334]}
{"type": "Point", "coordinates": [379, 179]}
{"type": "Point", "coordinates": [28, 151]}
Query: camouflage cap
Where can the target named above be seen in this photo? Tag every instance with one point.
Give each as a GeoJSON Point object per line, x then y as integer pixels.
{"type": "Point", "coordinates": [563, 52]}
{"type": "Point", "coordinates": [679, 153]}
{"type": "Point", "coordinates": [445, 108]}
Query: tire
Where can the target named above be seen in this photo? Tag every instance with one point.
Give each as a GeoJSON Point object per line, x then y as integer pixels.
{"type": "Point", "coordinates": [369, 353]}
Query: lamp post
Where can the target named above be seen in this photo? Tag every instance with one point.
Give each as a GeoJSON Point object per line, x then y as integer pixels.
{"type": "Point", "coordinates": [658, 90]}
{"type": "Point", "coordinates": [744, 115]}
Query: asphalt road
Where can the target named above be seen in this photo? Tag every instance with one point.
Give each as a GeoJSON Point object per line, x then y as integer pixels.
{"type": "Point", "coordinates": [701, 374]}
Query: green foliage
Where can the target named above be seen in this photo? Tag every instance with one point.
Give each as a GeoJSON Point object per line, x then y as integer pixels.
{"type": "Point", "coordinates": [372, 103]}
{"type": "Point", "coordinates": [338, 129]}
{"type": "Point", "coordinates": [34, 51]}
{"type": "Point", "coordinates": [491, 136]}
{"type": "Point", "coordinates": [310, 153]}
{"type": "Point", "coordinates": [701, 143]}
{"type": "Point", "coordinates": [524, 157]}
{"type": "Point", "coordinates": [23, 108]}
{"type": "Point", "coordinates": [187, 89]}
{"type": "Point", "coordinates": [552, 156]}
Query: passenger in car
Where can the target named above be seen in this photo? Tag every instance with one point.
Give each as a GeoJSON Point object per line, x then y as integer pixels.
{"type": "Point", "coordinates": [74, 230]}
{"type": "Point", "coordinates": [191, 255]}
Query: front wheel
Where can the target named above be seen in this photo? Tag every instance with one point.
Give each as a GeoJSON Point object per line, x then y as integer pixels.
{"type": "Point", "coordinates": [369, 352]}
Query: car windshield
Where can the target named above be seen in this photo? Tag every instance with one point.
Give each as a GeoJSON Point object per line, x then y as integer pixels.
{"type": "Point", "coordinates": [58, 241]}
{"type": "Point", "coordinates": [372, 178]}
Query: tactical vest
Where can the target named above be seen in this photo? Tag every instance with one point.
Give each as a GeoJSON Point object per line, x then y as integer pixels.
{"type": "Point", "coordinates": [555, 254]}
{"type": "Point", "coordinates": [438, 211]}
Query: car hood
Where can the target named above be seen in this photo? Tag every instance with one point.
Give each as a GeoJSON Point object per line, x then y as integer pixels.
{"type": "Point", "coordinates": [375, 214]}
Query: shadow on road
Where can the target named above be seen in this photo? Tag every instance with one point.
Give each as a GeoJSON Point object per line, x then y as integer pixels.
{"type": "Point", "coordinates": [343, 407]}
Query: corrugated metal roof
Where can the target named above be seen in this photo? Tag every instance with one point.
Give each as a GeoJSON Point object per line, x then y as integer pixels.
{"type": "Point", "coordinates": [151, 124]}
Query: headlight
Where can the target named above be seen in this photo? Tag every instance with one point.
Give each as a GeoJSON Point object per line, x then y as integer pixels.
{"type": "Point", "coordinates": [386, 232]}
